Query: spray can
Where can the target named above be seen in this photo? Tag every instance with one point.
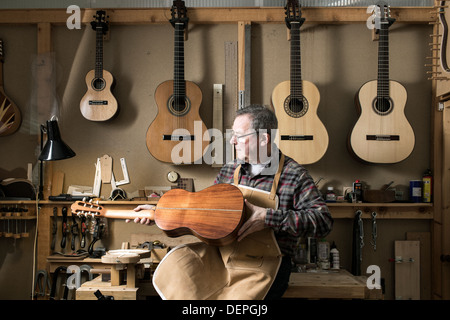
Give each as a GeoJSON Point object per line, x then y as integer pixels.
{"type": "Point", "coordinates": [427, 185]}
{"type": "Point", "coordinates": [323, 254]}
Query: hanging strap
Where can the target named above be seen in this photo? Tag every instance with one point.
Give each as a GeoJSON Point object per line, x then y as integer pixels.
{"type": "Point", "coordinates": [276, 178]}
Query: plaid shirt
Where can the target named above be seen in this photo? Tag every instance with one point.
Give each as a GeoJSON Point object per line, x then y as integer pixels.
{"type": "Point", "coordinates": [302, 212]}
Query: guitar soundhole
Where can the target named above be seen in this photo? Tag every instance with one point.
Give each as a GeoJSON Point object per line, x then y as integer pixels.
{"type": "Point", "coordinates": [382, 106]}
{"type": "Point", "coordinates": [296, 107]}
{"type": "Point", "coordinates": [98, 84]}
{"type": "Point", "coordinates": [179, 106]}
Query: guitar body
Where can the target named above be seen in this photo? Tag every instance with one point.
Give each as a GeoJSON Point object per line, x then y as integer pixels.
{"type": "Point", "coordinates": [382, 138]}
{"type": "Point", "coordinates": [163, 133]}
{"type": "Point", "coordinates": [214, 215]}
{"type": "Point", "coordinates": [99, 104]}
{"type": "Point", "coordinates": [301, 135]}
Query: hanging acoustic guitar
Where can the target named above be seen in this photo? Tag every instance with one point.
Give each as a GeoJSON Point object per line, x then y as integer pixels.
{"type": "Point", "coordinates": [382, 134]}
{"type": "Point", "coordinates": [99, 104]}
{"type": "Point", "coordinates": [10, 116]}
{"type": "Point", "coordinates": [178, 104]}
{"type": "Point", "coordinates": [301, 134]}
{"type": "Point", "coordinates": [214, 215]}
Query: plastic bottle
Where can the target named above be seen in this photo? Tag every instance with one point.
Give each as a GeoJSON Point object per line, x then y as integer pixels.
{"type": "Point", "coordinates": [331, 196]}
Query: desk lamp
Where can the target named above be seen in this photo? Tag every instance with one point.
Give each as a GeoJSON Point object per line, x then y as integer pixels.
{"type": "Point", "coordinates": [54, 149]}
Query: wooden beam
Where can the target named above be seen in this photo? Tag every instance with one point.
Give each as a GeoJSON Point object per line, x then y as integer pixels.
{"type": "Point", "coordinates": [333, 15]}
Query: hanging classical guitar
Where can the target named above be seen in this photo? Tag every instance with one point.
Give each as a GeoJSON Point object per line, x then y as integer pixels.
{"type": "Point", "coordinates": [99, 104]}
{"type": "Point", "coordinates": [301, 134]}
{"type": "Point", "coordinates": [213, 215]}
{"type": "Point", "coordinates": [178, 134]}
{"type": "Point", "coordinates": [382, 133]}
{"type": "Point", "coordinates": [10, 116]}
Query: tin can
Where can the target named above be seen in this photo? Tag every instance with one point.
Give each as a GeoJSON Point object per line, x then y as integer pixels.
{"type": "Point", "coordinates": [415, 190]}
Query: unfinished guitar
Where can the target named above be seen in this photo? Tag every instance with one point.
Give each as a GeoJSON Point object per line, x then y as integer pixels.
{"type": "Point", "coordinates": [99, 104]}
{"type": "Point", "coordinates": [214, 215]}
{"type": "Point", "coordinates": [178, 104]}
{"type": "Point", "coordinates": [301, 134]}
{"type": "Point", "coordinates": [382, 133]}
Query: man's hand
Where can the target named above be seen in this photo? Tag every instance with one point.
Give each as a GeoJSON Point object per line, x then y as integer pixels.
{"type": "Point", "coordinates": [143, 220]}
{"type": "Point", "coordinates": [255, 222]}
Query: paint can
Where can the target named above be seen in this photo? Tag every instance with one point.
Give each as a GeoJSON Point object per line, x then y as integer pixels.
{"type": "Point", "coordinates": [415, 190]}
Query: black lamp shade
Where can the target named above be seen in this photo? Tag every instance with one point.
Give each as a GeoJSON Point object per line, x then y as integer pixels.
{"type": "Point", "coordinates": [55, 148]}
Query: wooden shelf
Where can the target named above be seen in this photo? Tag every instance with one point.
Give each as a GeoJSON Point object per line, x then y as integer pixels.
{"type": "Point", "coordinates": [394, 210]}
{"type": "Point", "coordinates": [130, 16]}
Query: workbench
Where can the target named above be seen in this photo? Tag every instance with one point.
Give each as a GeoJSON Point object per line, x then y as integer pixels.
{"type": "Point", "coordinates": [329, 284]}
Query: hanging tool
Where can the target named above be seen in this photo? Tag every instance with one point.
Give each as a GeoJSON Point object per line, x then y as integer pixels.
{"type": "Point", "coordinates": [98, 231]}
{"type": "Point", "coordinates": [358, 243]}
{"type": "Point", "coordinates": [65, 228]}
{"type": "Point", "coordinates": [55, 227]}
{"type": "Point", "coordinates": [74, 229]}
{"type": "Point", "coordinates": [83, 231]}
{"type": "Point", "coordinates": [41, 283]}
{"type": "Point", "coordinates": [63, 283]}
{"type": "Point", "coordinates": [374, 231]}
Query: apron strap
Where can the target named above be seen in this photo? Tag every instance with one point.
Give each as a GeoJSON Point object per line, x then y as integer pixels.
{"type": "Point", "coordinates": [276, 178]}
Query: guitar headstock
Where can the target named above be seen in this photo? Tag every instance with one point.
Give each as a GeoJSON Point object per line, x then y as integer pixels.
{"type": "Point", "coordinates": [83, 208]}
{"type": "Point", "coordinates": [179, 13]}
{"type": "Point", "coordinates": [293, 13]}
{"type": "Point", "coordinates": [100, 21]}
{"type": "Point", "coordinates": [2, 57]}
{"type": "Point", "coordinates": [383, 12]}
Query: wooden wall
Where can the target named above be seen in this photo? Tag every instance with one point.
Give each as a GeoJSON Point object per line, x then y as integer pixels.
{"type": "Point", "coordinates": [337, 58]}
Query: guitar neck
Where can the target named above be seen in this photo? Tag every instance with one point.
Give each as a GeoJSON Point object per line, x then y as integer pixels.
{"type": "Point", "coordinates": [383, 61]}
{"type": "Point", "coordinates": [296, 63]}
{"type": "Point", "coordinates": [129, 214]}
{"type": "Point", "coordinates": [179, 83]}
{"type": "Point", "coordinates": [99, 53]}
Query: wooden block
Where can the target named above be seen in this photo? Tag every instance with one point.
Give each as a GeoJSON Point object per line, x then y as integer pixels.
{"type": "Point", "coordinates": [106, 168]}
{"type": "Point", "coordinates": [325, 285]}
{"type": "Point", "coordinates": [87, 289]}
{"type": "Point", "coordinates": [407, 270]}
{"type": "Point", "coordinates": [57, 183]}
{"type": "Point", "coordinates": [425, 262]}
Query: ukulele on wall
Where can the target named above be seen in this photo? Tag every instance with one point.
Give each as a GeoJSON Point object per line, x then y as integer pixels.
{"type": "Point", "coordinates": [99, 104]}
{"type": "Point", "coordinates": [382, 133]}
{"type": "Point", "coordinates": [10, 116]}
{"type": "Point", "coordinates": [178, 104]}
{"type": "Point", "coordinates": [301, 134]}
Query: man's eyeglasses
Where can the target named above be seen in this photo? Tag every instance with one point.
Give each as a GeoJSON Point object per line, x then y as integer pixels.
{"type": "Point", "coordinates": [241, 137]}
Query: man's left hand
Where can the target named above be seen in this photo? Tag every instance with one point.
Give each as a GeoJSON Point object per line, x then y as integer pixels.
{"type": "Point", "coordinates": [255, 222]}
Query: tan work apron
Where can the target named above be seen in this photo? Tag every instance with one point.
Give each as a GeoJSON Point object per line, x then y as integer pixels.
{"type": "Point", "coordinates": [243, 270]}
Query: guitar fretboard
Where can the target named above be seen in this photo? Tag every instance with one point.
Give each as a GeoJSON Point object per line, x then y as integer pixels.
{"type": "Point", "coordinates": [296, 63]}
{"type": "Point", "coordinates": [179, 83]}
{"type": "Point", "coordinates": [383, 61]}
{"type": "Point", "coordinates": [99, 53]}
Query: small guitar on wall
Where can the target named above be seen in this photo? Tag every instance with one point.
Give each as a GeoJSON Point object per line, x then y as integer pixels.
{"type": "Point", "coordinates": [99, 104]}
{"type": "Point", "coordinates": [10, 116]}
{"type": "Point", "coordinates": [178, 104]}
{"type": "Point", "coordinates": [382, 133]}
{"type": "Point", "coordinates": [301, 134]}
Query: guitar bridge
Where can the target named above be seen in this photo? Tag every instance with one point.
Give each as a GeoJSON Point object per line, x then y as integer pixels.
{"type": "Point", "coordinates": [297, 137]}
{"type": "Point", "coordinates": [382, 137]}
{"type": "Point", "coordinates": [98, 102]}
{"type": "Point", "coordinates": [169, 137]}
